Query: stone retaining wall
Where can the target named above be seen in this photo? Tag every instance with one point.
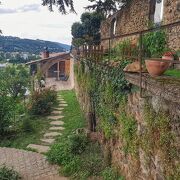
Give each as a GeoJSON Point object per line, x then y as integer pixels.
{"type": "Point", "coordinates": [135, 17]}
{"type": "Point", "coordinates": [162, 96]}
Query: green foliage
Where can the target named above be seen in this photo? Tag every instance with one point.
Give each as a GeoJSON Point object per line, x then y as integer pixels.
{"type": "Point", "coordinates": [77, 42]}
{"type": "Point", "coordinates": [110, 174]}
{"type": "Point", "coordinates": [78, 157]}
{"type": "Point", "coordinates": [159, 128]}
{"type": "Point", "coordinates": [77, 143]}
{"type": "Point", "coordinates": [78, 162]}
{"type": "Point", "coordinates": [42, 102]}
{"type": "Point", "coordinates": [14, 81]}
{"type": "Point", "coordinates": [155, 43]}
{"type": "Point", "coordinates": [106, 87]}
{"type": "Point", "coordinates": [106, 7]}
{"type": "Point", "coordinates": [124, 48]}
{"type": "Point", "coordinates": [77, 30]}
{"type": "Point", "coordinates": [63, 5]}
{"type": "Point", "coordinates": [87, 30]}
{"type": "Point", "coordinates": [173, 72]}
{"type": "Point", "coordinates": [8, 174]}
{"type": "Point", "coordinates": [28, 130]}
{"type": "Point", "coordinates": [7, 112]}
{"type": "Point", "coordinates": [128, 132]}
{"type": "Point", "coordinates": [27, 125]}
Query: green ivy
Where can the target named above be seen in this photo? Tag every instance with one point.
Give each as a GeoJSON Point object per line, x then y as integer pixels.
{"type": "Point", "coordinates": [158, 135]}
{"type": "Point", "coordinates": [106, 86]}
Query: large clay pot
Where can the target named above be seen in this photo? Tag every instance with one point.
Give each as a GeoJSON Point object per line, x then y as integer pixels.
{"type": "Point", "coordinates": [156, 68]}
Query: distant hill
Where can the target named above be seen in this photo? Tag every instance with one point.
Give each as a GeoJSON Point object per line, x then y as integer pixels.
{"type": "Point", "coordinates": [15, 44]}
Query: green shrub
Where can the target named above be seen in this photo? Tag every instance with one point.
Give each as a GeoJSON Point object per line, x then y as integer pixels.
{"type": "Point", "coordinates": [155, 43]}
{"type": "Point", "coordinates": [27, 125]}
{"type": "Point", "coordinates": [59, 153]}
{"type": "Point", "coordinates": [77, 143]}
{"type": "Point", "coordinates": [63, 152]}
{"type": "Point", "coordinates": [78, 157]}
{"type": "Point", "coordinates": [110, 174]}
{"type": "Point", "coordinates": [72, 167]}
{"type": "Point", "coordinates": [42, 102]}
{"type": "Point", "coordinates": [6, 113]}
{"type": "Point", "coordinates": [8, 174]}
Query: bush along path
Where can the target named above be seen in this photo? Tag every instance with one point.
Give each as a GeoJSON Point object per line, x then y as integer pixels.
{"type": "Point", "coordinates": [55, 130]}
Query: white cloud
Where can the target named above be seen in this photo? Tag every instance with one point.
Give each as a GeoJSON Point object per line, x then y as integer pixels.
{"type": "Point", "coordinates": [28, 19]}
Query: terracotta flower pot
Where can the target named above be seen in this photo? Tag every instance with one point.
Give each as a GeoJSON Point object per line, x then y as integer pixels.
{"type": "Point", "coordinates": [156, 68]}
{"type": "Point", "coordinates": [170, 58]}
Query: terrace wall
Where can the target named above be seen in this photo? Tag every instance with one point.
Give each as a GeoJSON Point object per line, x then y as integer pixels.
{"type": "Point", "coordinates": [162, 95]}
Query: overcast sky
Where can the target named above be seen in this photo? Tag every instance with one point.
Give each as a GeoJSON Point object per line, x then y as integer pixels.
{"type": "Point", "coordinates": [29, 19]}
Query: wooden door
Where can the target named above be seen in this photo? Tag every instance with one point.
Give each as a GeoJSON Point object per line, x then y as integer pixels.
{"type": "Point", "coordinates": [62, 68]}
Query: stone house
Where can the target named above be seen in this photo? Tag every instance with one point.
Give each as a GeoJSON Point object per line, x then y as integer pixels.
{"type": "Point", "coordinates": [56, 65]}
{"type": "Point", "coordinates": [136, 16]}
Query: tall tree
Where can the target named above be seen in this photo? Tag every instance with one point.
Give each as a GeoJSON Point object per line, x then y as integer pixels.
{"type": "Point", "coordinates": [107, 7]}
{"type": "Point", "coordinates": [63, 5]}
{"type": "Point", "coordinates": [104, 7]}
{"type": "Point", "coordinates": [88, 30]}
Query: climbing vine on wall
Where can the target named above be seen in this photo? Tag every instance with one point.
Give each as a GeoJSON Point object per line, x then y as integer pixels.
{"type": "Point", "coordinates": [108, 89]}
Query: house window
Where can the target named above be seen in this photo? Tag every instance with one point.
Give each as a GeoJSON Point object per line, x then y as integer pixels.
{"type": "Point", "coordinates": [156, 11]}
{"type": "Point", "coordinates": [113, 26]}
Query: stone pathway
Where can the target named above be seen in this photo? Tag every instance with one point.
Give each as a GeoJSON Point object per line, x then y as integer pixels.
{"type": "Point", "coordinates": [30, 165]}
{"type": "Point", "coordinates": [55, 129]}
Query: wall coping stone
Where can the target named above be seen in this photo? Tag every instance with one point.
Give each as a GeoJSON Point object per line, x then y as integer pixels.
{"type": "Point", "coordinates": [163, 86]}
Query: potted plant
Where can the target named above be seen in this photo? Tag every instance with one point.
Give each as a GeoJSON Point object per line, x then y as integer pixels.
{"type": "Point", "coordinates": [155, 44]}
{"type": "Point", "coordinates": [168, 55]}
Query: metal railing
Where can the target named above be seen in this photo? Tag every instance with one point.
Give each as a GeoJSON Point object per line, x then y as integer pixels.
{"type": "Point", "coordinates": [97, 53]}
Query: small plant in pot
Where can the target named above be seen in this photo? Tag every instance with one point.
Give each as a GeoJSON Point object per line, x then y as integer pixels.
{"type": "Point", "coordinates": [168, 56]}
{"type": "Point", "coordinates": [155, 44]}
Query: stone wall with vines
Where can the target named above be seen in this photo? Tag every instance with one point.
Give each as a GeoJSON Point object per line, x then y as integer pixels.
{"type": "Point", "coordinates": [137, 140]}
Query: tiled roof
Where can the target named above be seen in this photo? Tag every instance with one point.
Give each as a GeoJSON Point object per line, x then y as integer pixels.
{"type": "Point", "coordinates": [54, 56]}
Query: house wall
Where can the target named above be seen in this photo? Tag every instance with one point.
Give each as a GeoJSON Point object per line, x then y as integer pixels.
{"type": "Point", "coordinates": [67, 67]}
{"type": "Point", "coordinates": [46, 66]}
{"type": "Point", "coordinates": [135, 17]}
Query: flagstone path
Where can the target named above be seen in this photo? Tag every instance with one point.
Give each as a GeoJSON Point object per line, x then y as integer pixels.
{"type": "Point", "coordinates": [33, 165]}
{"type": "Point", "coordinates": [54, 131]}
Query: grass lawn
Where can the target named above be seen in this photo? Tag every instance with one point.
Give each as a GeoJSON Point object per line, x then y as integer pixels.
{"type": "Point", "coordinates": [21, 139]}
{"type": "Point", "coordinates": [78, 157]}
{"type": "Point", "coordinates": [73, 116]}
{"type": "Point", "coordinates": [173, 72]}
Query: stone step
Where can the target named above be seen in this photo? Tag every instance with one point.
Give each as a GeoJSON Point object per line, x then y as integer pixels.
{"type": "Point", "coordinates": [56, 128]}
{"type": "Point", "coordinates": [39, 148]}
{"type": "Point", "coordinates": [60, 99]}
{"type": "Point", "coordinates": [63, 105]}
{"type": "Point", "coordinates": [52, 134]}
{"type": "Point", "coordinates": [48, 141]}
{"type": "Point", "coordinates": [63, 102]}
{"type": "Point", "coordinates": [55, 117]}
{"type": "Point", "coordinates": [59, 109]}
{"type": "Point", "coordinates": [57, 123]}
{"type": "Point", "coordinates": [57, 112]}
